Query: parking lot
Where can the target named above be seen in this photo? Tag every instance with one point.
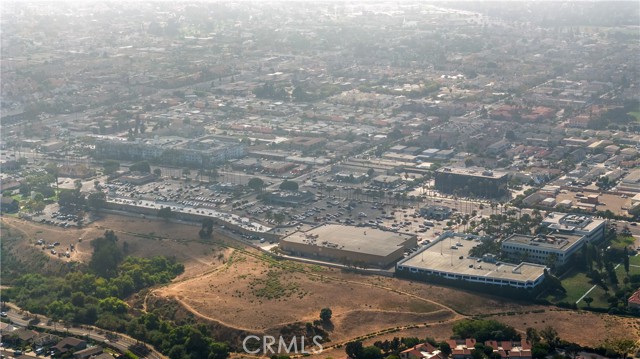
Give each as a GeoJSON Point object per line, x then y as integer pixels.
{"type": "Point", "coordinates": [55, 216]}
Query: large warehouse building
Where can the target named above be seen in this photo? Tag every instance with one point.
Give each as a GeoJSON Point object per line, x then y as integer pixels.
{"type": "Point", "coordinates": [348, 244]}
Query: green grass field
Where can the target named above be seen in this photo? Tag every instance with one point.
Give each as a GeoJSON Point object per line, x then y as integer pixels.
{"type": "Point", "coordinates": [635, 114]}
{"type": "Point", "coordinates": [599, 295]}
{"type": "Point", "coordinates": [576, 283]}
{"type": "Point", "coordinates": [620, 242]}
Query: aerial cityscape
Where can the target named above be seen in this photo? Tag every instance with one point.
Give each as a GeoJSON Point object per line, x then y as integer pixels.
{"type": "Point", "coordinates": [327, 179]}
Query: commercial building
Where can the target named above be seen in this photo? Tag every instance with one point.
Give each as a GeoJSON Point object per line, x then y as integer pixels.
{"type": "Point", "coordinates": [137, 178]}
{"type": "Point", "coordinates": [568, 233]}
{"type": "Point", "coordinates": [203, 152]}
{"type": "Point", "coordinates": [540, 248]}
{"type": "Point", "coordinates": [447, 257]}
{"type": "Point", "coordinates": [631, 182]}
{"type": "Point", "coordinates": [592, 228]}
{"type": "Point", "coordinates": [287, 198]}
{"type": "Point", "coordinates": [436, 212]}
{"type": "Point", "coordinates": [351, 177]}
{"type": "Point", "coordinates": [385, 181]}
{"type": "Point", "coordinates": [471, 181]}
{"type": "Point", "coordinates": [348, 244]}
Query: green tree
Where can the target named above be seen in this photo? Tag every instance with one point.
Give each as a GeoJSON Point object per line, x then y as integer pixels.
{"type": "Point", "coordinates": [97, 200]}
{"type": "Point", "coordinates": [625, 260]}
{"type": "Point", "coordinates": [550, 336]}
{"type": "Point", "coordinates": [287, 185]}
{"type": "Point", "coordinates": [218, 351]}
{"type": "Point", "coordinates": [540, 351]}
{"type": "Point", "coordinates": [165, 213]}
{"type": "Point", "coordinates": [110, 166]}
{"type": "Point", "coordinates": [551, 260]}
{"type": "Point", "coordinates": [468, 162]}
{"type": "Point", "coordinates": [207, 228]}
{"type": "Point", "coordinates": [106, 255]}
{"type": "Point", "coordinates": [157, 172]}
{"type": "Point", "coordinates": [622, 346]}
{"type": "Point", "coordinates": [279, 218]}
{"type": "Point", "coordinates": [178, 352]}
{"type": "Point", "coordinates": [113, 305]}
{"type": "Point", "coordinates": [354, 350]}
{"type": "Point", "coordinates": [53, 170]}
{"type": "Point", "coordinates": [256, 184]}
{"type": "Point", "coordinates": [588, 300]}
{"type": "Point", "coordinates": [325, 314]}
{"type": "Point", "coordinates": [445, 349]}
{"type": "Point", "coordinates": [371, 352]}
{"type": "Point", "coordinates": [484, 330]}
{"type": "Point", "coordinates": [142, 166]}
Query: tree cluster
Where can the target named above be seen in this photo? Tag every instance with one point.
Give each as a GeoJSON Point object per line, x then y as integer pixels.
{"type": "Point", "coordinates": [287, 185]}
{"type": "Point", "coordinates": [206, 229]}
{"type": "Point", "coordinates": [483, 330]}
{"type": "Point", "coordinates": [98, 299]}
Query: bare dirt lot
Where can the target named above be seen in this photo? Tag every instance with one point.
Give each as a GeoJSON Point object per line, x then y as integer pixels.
{"type": "Point", "coordinates": [261, 295]}
{"type": "Point", "coordinates": [243, 290]}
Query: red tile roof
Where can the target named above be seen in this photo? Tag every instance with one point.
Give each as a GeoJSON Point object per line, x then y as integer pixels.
{"type": "Point", "coordinates": [635, 298]}
{"type": "Point", "coordinates": [492, 343]}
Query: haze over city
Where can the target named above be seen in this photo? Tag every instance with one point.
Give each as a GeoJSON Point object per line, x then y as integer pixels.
{"type": "Point", "coordinates": [334, 179]}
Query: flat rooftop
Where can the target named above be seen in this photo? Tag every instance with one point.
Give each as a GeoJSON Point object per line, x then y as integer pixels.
{"type": "Point", "coordinates": [234, 219]}
{"type": "Point", "coordinates": [440, 256]}
{"type": "Point", "coordinates": [571, 222]}
{"type": "Point", "coordinates": [473, 171]}
{"type": "Point", "coordinates": [558, 241]}
{"type": "Point", "coordinates": [353, 239]}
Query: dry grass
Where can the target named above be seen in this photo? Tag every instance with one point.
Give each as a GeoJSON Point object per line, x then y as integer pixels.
{"type": "Point", "coordinates": [262, 295]}
{"type": "Point", "coordinates": [243, 289]}
{"type": "Point", "coordinates": [598, 326]}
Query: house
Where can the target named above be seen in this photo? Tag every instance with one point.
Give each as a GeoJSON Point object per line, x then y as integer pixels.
{"type": "Point", "coordinates": [6, 329]}
{"type": "Point", "coordinates": [69, 344]}
{"type": "Point", "coordinates": [103, 356]}
{"type": "Point", "coordinates": [422, 351]}
{"type": "Point", "coordinates": [634, 301]}
{"type": "Point", "coordinates": [45, 339]}
{"type": "Point", "coordinates": [509, 349]}
{"type": "Point", "coordinates": [21, 336]}
{"type": "Point", "coordinates": [9, 184]}
{"type": "Point", "coordinates": [461, 349]}
{"type": "Point", "coordinates": [9, 205]}
{"type": "Point", "coordinates": [88, 352]}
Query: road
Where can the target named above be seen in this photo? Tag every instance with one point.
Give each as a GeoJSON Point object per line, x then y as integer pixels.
{"type": "Point", "coordinates": [122, 343]}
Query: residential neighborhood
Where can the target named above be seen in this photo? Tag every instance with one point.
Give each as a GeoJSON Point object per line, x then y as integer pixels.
{"type": "Point", "coordinates": [194, 174]}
